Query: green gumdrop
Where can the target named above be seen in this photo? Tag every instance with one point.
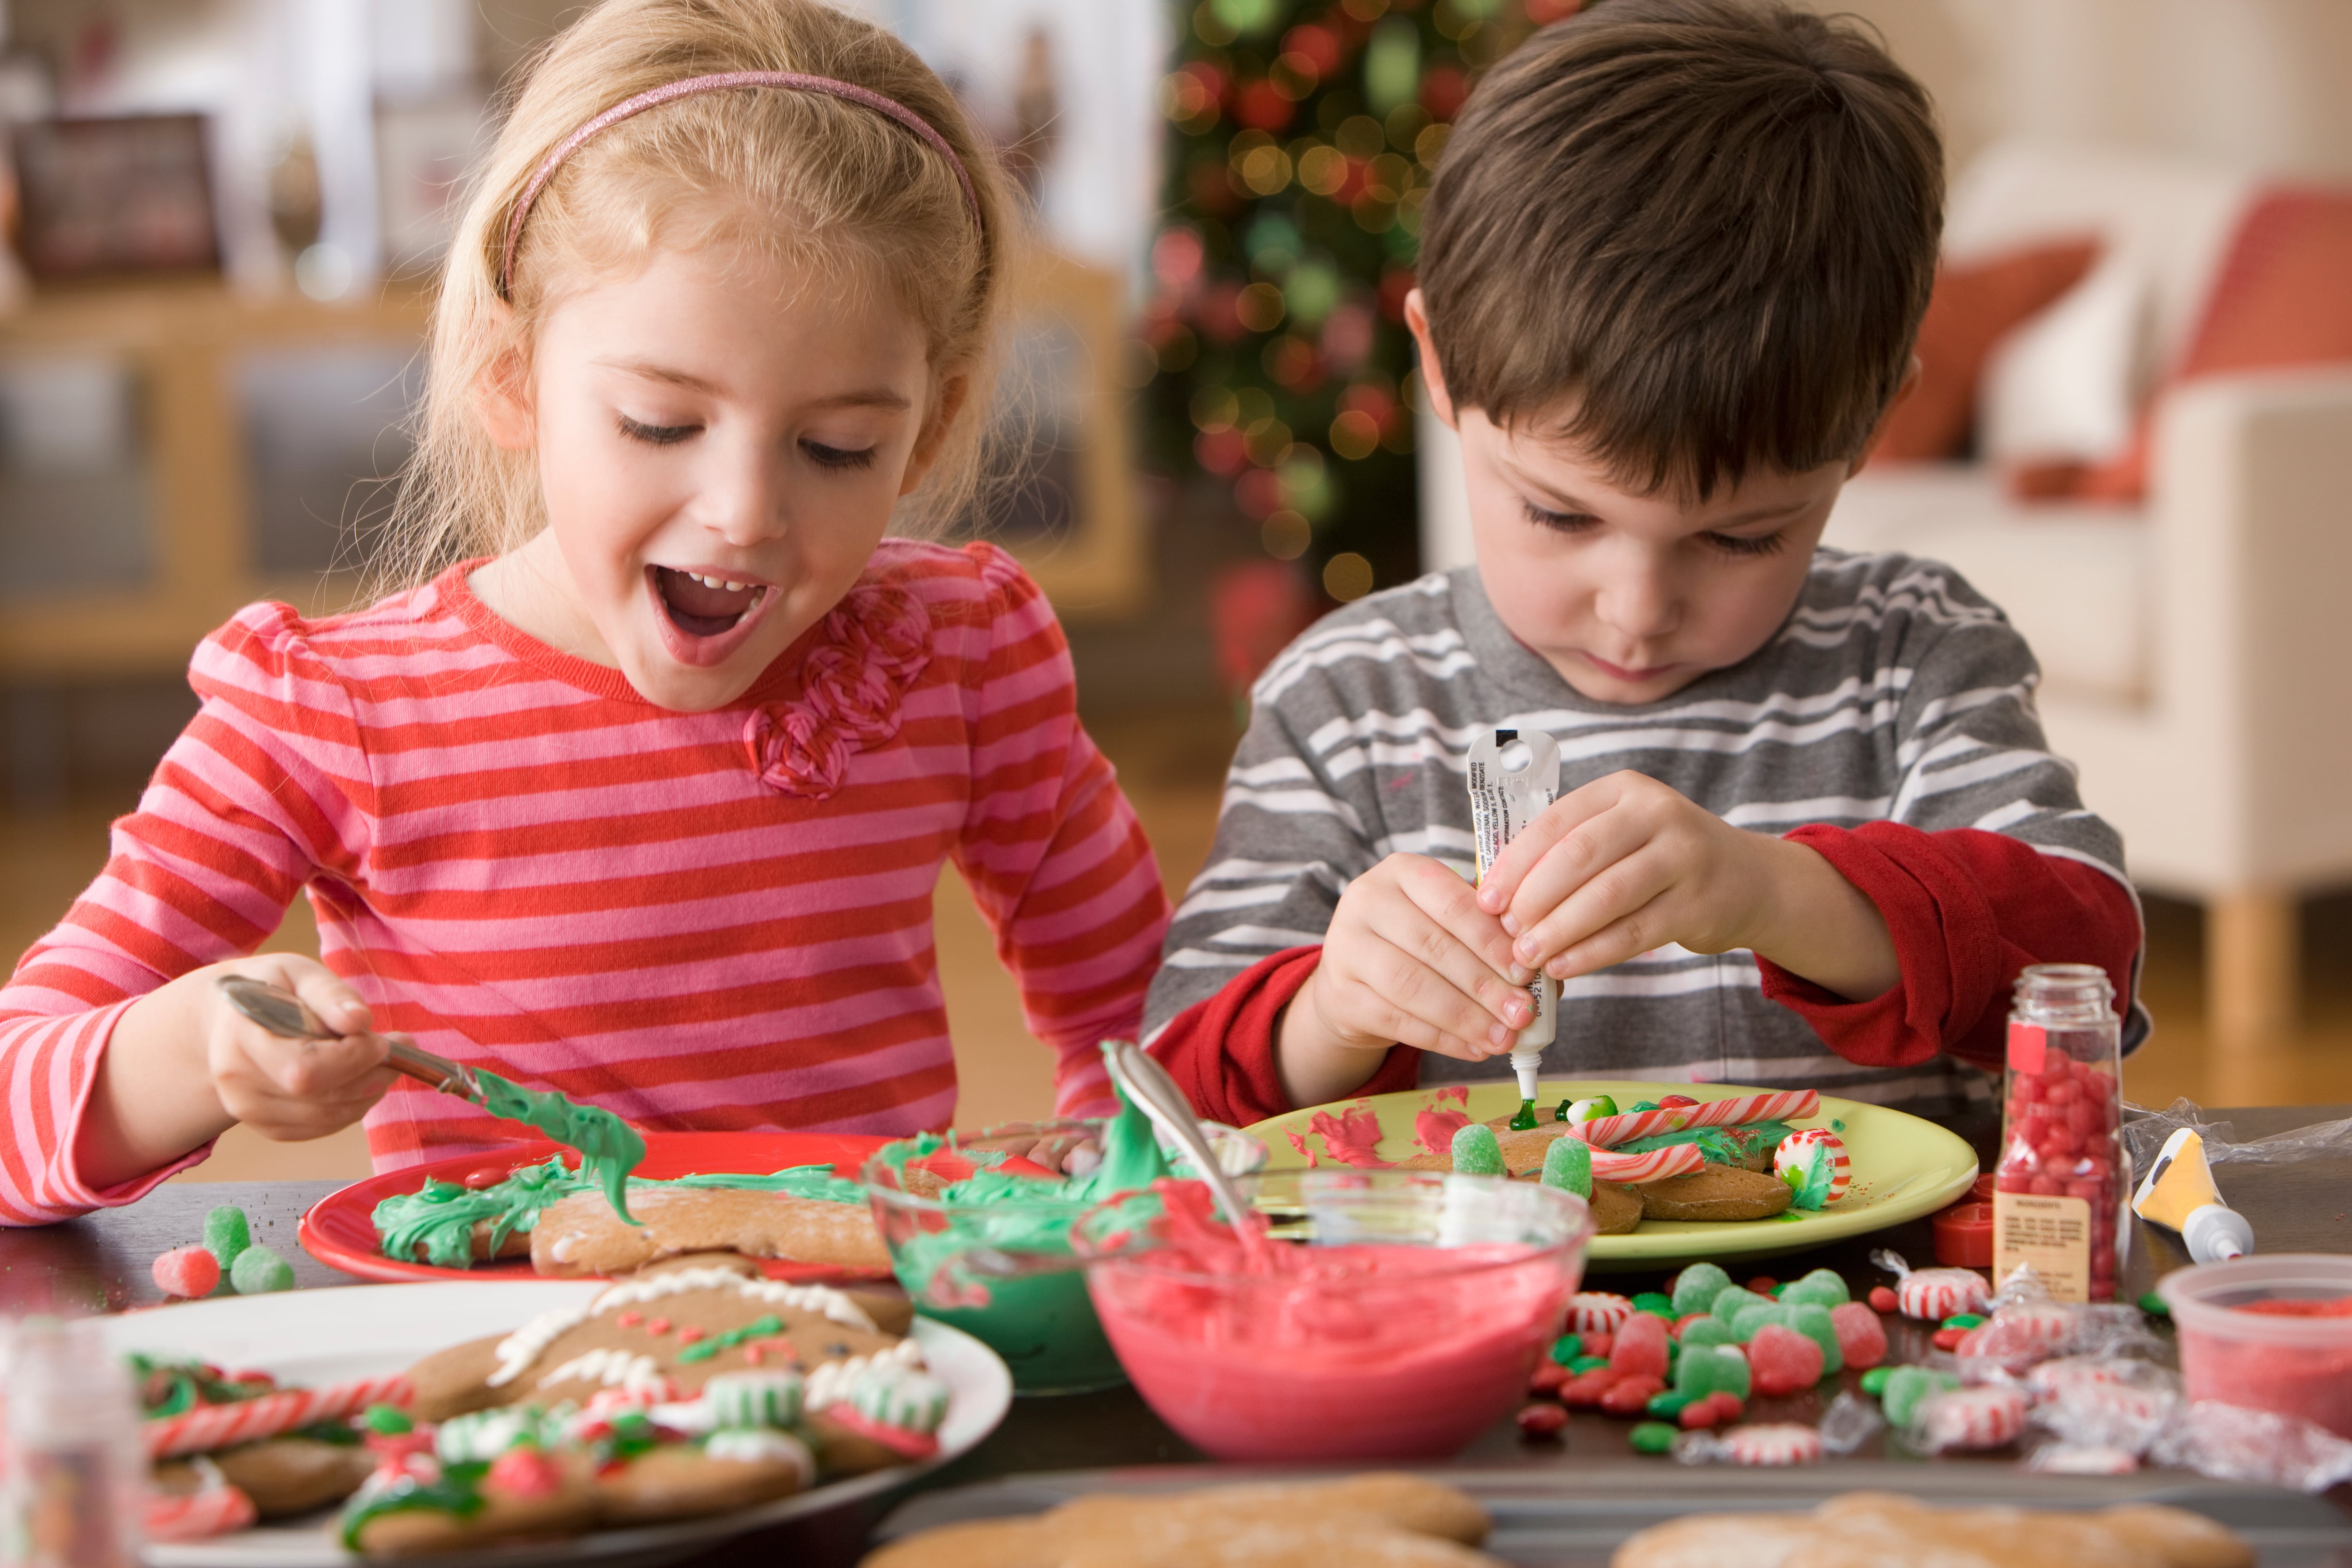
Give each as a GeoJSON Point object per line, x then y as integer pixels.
{"type": "Point", "coordinates": [1824, 1286]}
{"type": "Point", "coordinates": [1654, 1303]}
{"type": "Point", "coordinates": [1475, 1152]}
{"type": "Point", "coordinates": [1567, 1165]}
{"type": "Point", "coordinates": [1653, 1437]}
{"type": "Point", "coordinates": [1667, 1405]}
{"type": "Point", "coordinates": [1728, 1304]}
{"type": "Point", "coordinates": [1707, 1330]}
{"type": "Point", "coordinates": [1567, 1348]}
{"type": "Point", "coordinates": [257, 1271]}
{"type": "Point", "coordinates": [226, 1234]}
{"type": "Point", "coordinates": [1750, 1318]}
{"type": "Point", "coordinates": [1873, 1382]}
{"type": "Point", "coordinates": [1696, 1289]}
{"type": "Point", "coordinates": [1907, 1386]}
{"type": "Point", "coordinates": [1712, 1369]}
{"type": "Point", "coordinates": [1812, 1319]}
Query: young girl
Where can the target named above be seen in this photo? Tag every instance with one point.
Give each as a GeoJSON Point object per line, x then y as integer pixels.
{"type": "Point", "coordinates": [639, 789]}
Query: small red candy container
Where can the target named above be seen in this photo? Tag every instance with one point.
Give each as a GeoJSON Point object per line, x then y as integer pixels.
{"type": "Point", "coordinates": [2064, 1177]}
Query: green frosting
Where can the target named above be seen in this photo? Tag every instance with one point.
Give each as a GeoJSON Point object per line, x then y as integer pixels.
{"type": "Point", "coordinates": [1721, 1146]}
{"type": "Point", "coordinates": [1525, 1121]}
{"type": "Point", "coordinates": [609, 1147]}
{"type": "Point", "coordinates": [1810, 1180]}
{"type": "Point", "coordinates": [441, 1214]}
{"type": "Point", "coordinates": [458, 1492]}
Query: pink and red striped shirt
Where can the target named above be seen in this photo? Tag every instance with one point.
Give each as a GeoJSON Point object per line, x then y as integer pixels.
{"type": "Point", "coordinates": [706, 921]}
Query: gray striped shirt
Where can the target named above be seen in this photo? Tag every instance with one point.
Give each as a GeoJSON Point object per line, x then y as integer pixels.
{"type": "Point", "coordinates": [1893, 692]}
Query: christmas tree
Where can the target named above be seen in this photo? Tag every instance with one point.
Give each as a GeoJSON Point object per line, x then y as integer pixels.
{"type": "Point", "coordinates": [1304, 136]}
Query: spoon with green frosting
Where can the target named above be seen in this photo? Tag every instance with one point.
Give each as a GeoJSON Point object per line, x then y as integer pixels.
{"type": "Point", "coordinates": [609, 1147]}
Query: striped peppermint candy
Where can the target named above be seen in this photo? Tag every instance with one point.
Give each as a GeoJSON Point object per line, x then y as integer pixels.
{"type": "Point", "coordinates": [1597, 1312]}
{"type": "Point", "coordinates": [1989, 1416]}
{"type": "Point", "coordinates": [1797, 1148]}
{"type": "Point", "coordinates": [210, 1427]}
{"type": "Point", "coordinates": [1656, 1165]}
{"type": "Point", "coordinates": [2018, 1336]}
{"type": "Point", "coordinates": [1778, 1443]}
{"type": "Point", "coordinates": [1781, 1105]}
{"type": "Point", "coordinates": [1935, 1294]}
{"type": "Point", "coordinates": [216, 1511]}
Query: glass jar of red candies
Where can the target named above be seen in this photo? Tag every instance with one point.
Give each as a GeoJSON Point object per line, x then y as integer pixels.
{"type": "Point", "coordinates": [2063, 1177]}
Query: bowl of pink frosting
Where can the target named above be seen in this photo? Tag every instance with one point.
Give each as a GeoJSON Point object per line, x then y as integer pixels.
{"type": "Point", "coordinates": [1382, 1315]}
{"type": "Point", "coordinates": [2273, 1332]}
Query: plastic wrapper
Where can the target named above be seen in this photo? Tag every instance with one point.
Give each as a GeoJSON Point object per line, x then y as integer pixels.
{"type": "Point", "coordinates": [2069, 1460]}
{"type": "Point", "coordinates": [2231, 1443]}
{"type": "Point", "coordinates": [1849, 1423]}
{"type": "Point", "coordinates": [1972, 1419]}
{"type": "Point", "coordinates": [1774, 1444]}
{"type": "Point", "coordinates": [2027, 1328]}
{"type": "Point", "coordinates": [2103, 1402]}
{"type": "Point", "coordinates": [2145, 1133]}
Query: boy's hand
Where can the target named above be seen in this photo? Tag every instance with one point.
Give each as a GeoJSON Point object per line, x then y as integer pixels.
{"type": "Point", "coordinates": [1626, 864]}
{"type": "Point", "coordinates": [1409, 958]}
{"type": "Point", "coordinates": [292, 1090]}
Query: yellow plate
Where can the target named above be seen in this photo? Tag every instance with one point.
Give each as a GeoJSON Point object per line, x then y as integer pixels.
{"type": "Point", "coordinates": [1902, 1166]}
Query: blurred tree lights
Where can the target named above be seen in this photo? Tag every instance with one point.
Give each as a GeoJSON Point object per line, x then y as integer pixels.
{"type": "Point", "coordinates": [1273, 352]}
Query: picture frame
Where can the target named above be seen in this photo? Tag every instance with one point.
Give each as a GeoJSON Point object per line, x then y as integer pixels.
{"type": "Point", "coordinates": [121, 197]}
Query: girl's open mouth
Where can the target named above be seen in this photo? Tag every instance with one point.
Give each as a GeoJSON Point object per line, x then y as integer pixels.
{"type": "Point", "coordinates": [705, 617]}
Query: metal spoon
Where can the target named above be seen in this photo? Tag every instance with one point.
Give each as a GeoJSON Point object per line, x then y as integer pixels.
{"type": "Point", "coordinates": [283, 1014]}
{"type": "Point", "coordinates": [1147, 1083]}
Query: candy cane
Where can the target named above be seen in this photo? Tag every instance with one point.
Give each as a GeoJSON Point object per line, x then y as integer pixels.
{"type": "Point", "coordinates": [216, 1511]}
{"type": "Point", "coordinates": [210, 1427]}
{"type": "Point", "coordinates": [1782, 1105]}
{"type": "Point", "coordinates": [1656, 1165]}
{"type": "Point", "coordinates": [1597, 1312]}
{"type": "Point", "coordinates": [1984, 1417]}
{"type": "Point", "coordinates": [1776, 1444]}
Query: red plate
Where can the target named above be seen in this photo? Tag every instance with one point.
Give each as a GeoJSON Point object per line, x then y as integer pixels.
{"type": "Point", "coordinates": [339, 1231]}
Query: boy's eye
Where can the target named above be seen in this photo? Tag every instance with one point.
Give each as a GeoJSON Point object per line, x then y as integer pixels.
{"type": "Point", "coordinates": [826, 456]}
{"type": "Point", "coordinates": [1560, 522]}
{"type": "Point", "coordinates": [1732, 544]}
{"type": "Point", "coordinates": [657, 434]}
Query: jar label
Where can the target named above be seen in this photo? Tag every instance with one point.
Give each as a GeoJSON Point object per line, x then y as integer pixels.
{"type": "Point", "coordinates": [2028, 1044]}
{"type": "Point", "coordinates": [2053, 1233]}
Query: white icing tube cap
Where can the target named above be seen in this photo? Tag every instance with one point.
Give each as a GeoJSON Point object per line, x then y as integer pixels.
{"type": "Point", "coordinates": [2215, 1234]}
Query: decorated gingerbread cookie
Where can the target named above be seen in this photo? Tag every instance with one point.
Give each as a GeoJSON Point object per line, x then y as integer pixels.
{"type": "Point", "coordinates": [580, 1235]}
{"type": "Point", "coordinates": [1716, 1193]}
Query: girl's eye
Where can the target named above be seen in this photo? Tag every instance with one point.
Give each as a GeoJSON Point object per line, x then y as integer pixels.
{"type": "Point", "coordinates": [826, 456]}
{"type": "Point", "coordinates": [1560, 522]}
{"type": "Point", "coordinates": [1731, 544]}
{"type": "Point", "coordinates": [657, 434]}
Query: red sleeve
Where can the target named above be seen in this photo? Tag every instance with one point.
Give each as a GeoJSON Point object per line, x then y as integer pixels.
{"type": "Point", "coordinates": [1221, 1051]}
{"type": "Point", "coordinates": [1968, 910]}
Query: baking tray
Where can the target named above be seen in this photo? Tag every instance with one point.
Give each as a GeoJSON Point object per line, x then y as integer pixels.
{"type": "Point", "coordinates": [1547, 1517]}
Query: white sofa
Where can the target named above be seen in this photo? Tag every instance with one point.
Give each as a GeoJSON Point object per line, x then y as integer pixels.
{"type": "Point", "coordinates": [2196, 651]}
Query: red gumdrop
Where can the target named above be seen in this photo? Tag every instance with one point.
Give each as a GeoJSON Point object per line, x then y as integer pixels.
{"type": "Point", "coordinates": [1584, 1391]}
{"type": "Point", "coordinates": [1631, 1395]}
{"type": "Point", "coordinates": [1728, 1406]}
{"type": "Point", "coordinates": [1782, 1361]}
{"type": "Point", "coordinates": [1861, 1337]}
{"type": "Point", "coordinates": [1700, 1413]}
{"type": "Point", "coordinates": [1881, 1300]}
{"type": "Point", "coordinates": [1763, 1284]}
{"type": "Point", "coordinates": [189, 1272]}
{"type": "Point", "coordinates": [1640, 1348]}
{"type": "Point", "coordinates": [1598, 1343]}
{"type": "Point", "coordinates": [1542, 1421]}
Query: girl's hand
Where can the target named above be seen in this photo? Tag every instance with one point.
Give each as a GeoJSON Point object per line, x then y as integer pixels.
{"type": "Point", "coordinates": [1626, 864]}
{"type": "Point", "coordinates": [1409, 958]}
{"type": "Point", "coordinates": [292, 1089]}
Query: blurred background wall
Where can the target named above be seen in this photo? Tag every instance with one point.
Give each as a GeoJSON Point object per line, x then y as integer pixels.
{"type": "Point", "coordinates": [197, 412]}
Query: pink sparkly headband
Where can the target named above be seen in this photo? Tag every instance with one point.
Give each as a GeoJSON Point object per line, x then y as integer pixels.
{"type": "Point", "coordinates": [791, 81]}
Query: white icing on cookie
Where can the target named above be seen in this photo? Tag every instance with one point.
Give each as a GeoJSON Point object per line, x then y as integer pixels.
{"type": "Point", "coordinates": [613, 1368]}
{"type": "Point", "coordinates": [760, 1445]}
{"type": "Point", "coordinates": [517, 1351]}
{"type": "Point", "coordinates": [832, 1381]}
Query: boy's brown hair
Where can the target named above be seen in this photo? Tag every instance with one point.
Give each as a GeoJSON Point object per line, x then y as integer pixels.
{"type": "Point", "coordinates": [1693, 237]}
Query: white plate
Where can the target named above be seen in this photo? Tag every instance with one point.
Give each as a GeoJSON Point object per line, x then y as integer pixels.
{"type": "Point", "coordinates": [315, 1337]}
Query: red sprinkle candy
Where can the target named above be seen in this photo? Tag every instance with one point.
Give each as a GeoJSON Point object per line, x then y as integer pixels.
{"type": "Point", "coordinates": [1630, 1396]}
{"type": "Point", "coordinates": [629, 1319]}
{"type": "Point", "coordinates": [1947, 1338]}
{"type": "Point", "coordinates": [1537, 1421]}
{"type": "Point", "coordinates": [659, 1325]}
{"type": "Point", "coordinates": [1881, 1300]}
{"type": "Point", "coordinates": [690, 1333]}
{"type": "Point", "coordinates": [1549, 1376]}
{"type": "Point", "coordinates": [1598, 1343]}
{"type": "Point", "coordinates": [751, 1355]}
{"type": "Point", "coordinates": [1763, 1284]}
{"type": "Point", "coordinates": [1584, 1391]}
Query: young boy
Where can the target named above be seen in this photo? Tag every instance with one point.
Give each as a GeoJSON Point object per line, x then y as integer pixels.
{"type": "Point", "coordinates": [1673, 265]}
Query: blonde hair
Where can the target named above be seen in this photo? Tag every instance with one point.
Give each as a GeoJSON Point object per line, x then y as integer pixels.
{"type": "Point", "coordinates": [818, 180]}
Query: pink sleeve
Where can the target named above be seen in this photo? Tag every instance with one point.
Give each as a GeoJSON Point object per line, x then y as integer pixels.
{"type": "Point", "coordinates": [1051, 849]}
{"type": "Point", "coordinates": [1968, 910]}
{"type": "Point", "coordinates": [244, 810]}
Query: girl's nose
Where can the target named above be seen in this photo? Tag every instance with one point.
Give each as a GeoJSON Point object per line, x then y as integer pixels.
{"type": "Point", "coordinates": [742, 496]}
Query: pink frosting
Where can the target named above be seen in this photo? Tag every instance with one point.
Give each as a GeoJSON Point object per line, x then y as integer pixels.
{"type": "Point", "coordinates": [872, 647]}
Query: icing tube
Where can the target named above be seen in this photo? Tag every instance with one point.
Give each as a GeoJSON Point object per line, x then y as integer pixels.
{"type": "Point", "coordinates": [2179, 1195]}
{"type": "Point", "coordinates": [1514, 775]}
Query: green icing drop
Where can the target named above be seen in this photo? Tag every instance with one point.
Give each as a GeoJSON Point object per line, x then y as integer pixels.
{"type": "Point", "coordinates": [609, 1147]}
{"type": "Point", "coordinates": [1525, 1120]}
{"type": "Point", "coordinates": [457, 1492]}
{"type": "Point", "coordinates": [1720, 1146]}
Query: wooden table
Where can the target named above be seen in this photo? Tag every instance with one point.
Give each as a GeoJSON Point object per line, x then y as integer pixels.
{"type": "Point", "coordinates": [100, 1263]}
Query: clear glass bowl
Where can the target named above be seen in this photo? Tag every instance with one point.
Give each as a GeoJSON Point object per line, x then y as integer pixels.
{"type": "Point", "coordinates": [1403, 1317]}
{"type": "Point", "coordinates": [1042, 1323]}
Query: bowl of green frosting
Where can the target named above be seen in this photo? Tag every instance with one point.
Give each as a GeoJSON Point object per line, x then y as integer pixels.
{"type": "Point", "coordinates": [954, 1209]}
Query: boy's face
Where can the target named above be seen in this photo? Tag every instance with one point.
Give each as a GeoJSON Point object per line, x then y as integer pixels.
{"type": "Point", "coordinates": [1630, 597]}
